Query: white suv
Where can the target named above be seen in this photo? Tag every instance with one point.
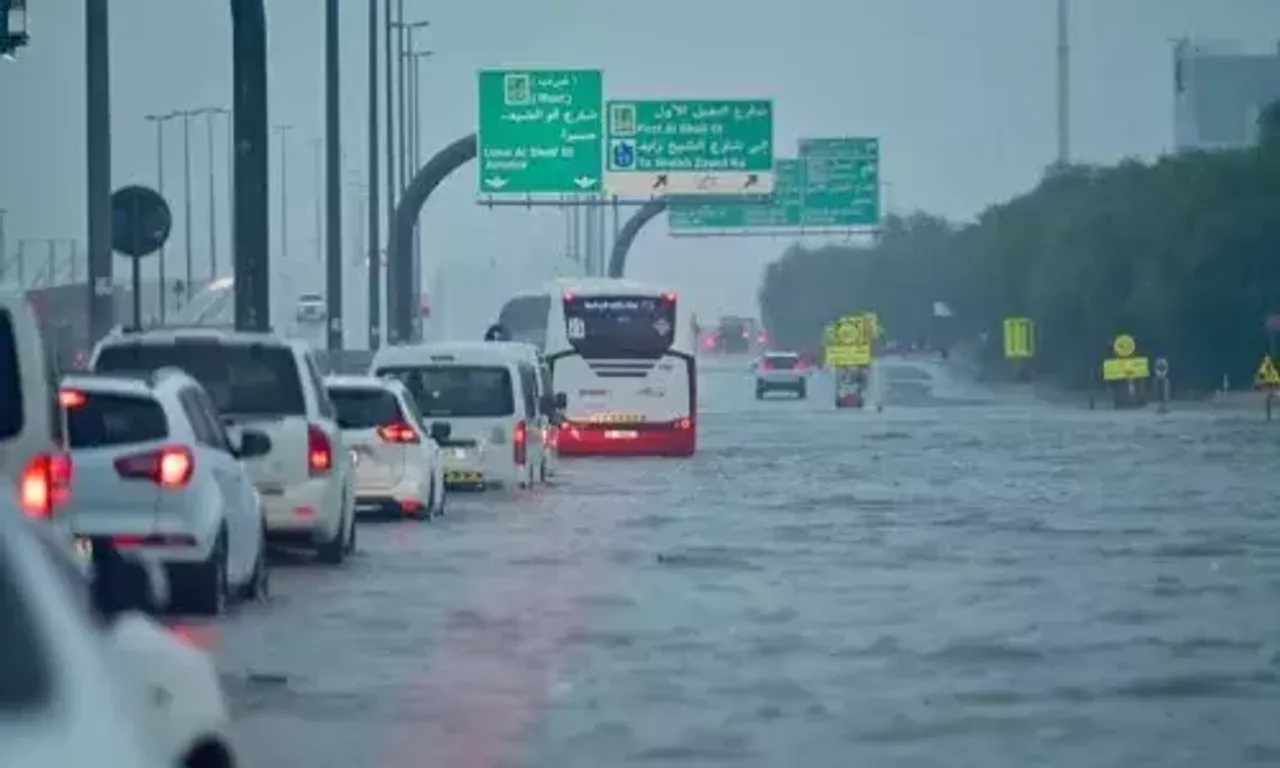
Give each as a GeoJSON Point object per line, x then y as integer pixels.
{"type": "Point", "coordinates": [781, 371]}
{"type": "Point", "coordinates": [272, 384]}
{"type": "Point", "coordinates": [31, 451]}
{"type": "Point", "coordinates": [159, 474]}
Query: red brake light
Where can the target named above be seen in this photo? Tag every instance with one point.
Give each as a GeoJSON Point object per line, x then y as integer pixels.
{"type": "Point", "coordinates": [520, 441]}
{"type": "Point", "coordinates": [669, 297]}
{"type": "Point", "coordinates": [568, 296]}
{"type": "Point", "coordinates": [399, 432]}
{"type": "Point", "coordinates": [45, 483]}
{"type": "Point", "coordinates": [319, 451]}
{"type": "Point", "coordinates": [765, 365]}
{"type": "Point", "coordinates": [169, 467]}
{"type": "Point", "coordinates": [72, 398]}
{"type": "Point", "coordinates": [684, 424]}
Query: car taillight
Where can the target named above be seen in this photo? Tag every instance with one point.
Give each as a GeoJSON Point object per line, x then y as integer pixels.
{"type": "Point", "coordinates": [319, 451]}
{"type": "Point", "coordinates": [168, 467]}
{"type": "Point", "coordinates": [45, 483]}
{"type": "Point", "coordinates": [765, 365]}
{"type": "Point", "coordinates": [684, 424]}
{"type": "Point", "coordinates": [72, 398]}
{"type": "Point", "coordinates": [399, 432]}
{"type": "Point", "coordinates": [520, 441]}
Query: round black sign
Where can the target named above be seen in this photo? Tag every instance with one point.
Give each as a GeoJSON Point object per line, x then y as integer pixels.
{"type": "Point", "coordinates": [140, 221]}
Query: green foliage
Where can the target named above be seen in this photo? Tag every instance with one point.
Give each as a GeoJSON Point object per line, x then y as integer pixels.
{"type": "Point", "coordinates": [1183, 253]}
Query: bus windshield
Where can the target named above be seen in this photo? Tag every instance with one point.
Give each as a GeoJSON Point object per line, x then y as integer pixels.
{"type": "Point", "coordinates": [620, 327]}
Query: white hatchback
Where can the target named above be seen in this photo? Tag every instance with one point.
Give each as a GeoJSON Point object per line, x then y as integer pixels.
{"type": "Point", "coordinates": [158, 474]}
{"type": "Point", "coordinates": [397, 460]}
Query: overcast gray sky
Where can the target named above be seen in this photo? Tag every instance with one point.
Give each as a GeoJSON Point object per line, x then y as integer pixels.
{"type": "Point", "coordinates": [961, 93]}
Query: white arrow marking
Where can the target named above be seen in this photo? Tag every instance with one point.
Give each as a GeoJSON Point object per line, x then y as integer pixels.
{"type": "Point", "coordinates": [585, 182]}
{"type": "Point", "coordinates": [497, 182]}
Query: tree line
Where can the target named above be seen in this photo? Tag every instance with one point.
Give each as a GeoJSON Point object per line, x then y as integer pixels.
{"type": "Point", "coordinates": [1183, 253]}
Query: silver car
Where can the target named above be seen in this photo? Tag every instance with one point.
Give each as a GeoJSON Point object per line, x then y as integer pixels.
{"type": "Point", "coordinates": [781, 372]}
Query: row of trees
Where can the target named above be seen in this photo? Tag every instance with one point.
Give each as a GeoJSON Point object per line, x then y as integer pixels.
{"type": "Point", "coordinates": [1182, 253]}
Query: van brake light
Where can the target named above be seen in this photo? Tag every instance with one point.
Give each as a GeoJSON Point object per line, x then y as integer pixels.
{"type": "Point", "coordinates": [520, 443]}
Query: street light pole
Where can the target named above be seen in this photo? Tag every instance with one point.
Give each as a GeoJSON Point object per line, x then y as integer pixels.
{"type": "Point", "coordinates": [159, 121]}
{"type": "Point", "coordinates": [373, 297]}
{"type": "Point", "coordinates": [282, 131]}
{"type": "Point", "coordinates": [415, 158]}
{"type": "Point", "coordinates": [333, 181]}
{"type": "Point", "coordinates": [186, 187]}
{"type": "Point", "coordinates": [210, 113]}
{"type": "Point", "coordinates": [317, 169]}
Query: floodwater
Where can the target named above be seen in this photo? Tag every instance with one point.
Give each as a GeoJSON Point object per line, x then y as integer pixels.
{"type": "Point", "coordinates": [954, 581]}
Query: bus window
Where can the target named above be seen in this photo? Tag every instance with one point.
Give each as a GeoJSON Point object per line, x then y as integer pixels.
{"type": "Point", "coordinates": [626, 327]}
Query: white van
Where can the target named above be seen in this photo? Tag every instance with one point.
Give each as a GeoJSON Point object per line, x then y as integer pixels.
{"type": "Point", "coordinates": [32, 455]}
{"type": "Point", "coordinates": [549, 415]}
{"type": "Point", "coordinates": [487, 393]}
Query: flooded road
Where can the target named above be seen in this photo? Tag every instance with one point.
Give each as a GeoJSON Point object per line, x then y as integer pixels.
{"type": "Point", "coordinates": [952, 582]}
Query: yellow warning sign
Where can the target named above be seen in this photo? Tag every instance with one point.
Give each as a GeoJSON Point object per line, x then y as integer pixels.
{"type": "Point", "coordinates": [849, 342]}
{"type": "Point", "coordinates": [1124, 345]}
{"type": "Point", "coordinates": [1019, 337]}
{"type": "Point", "coordinates": [1126, 368]}
{"type": "Point", "coordinates": [1267, 375]}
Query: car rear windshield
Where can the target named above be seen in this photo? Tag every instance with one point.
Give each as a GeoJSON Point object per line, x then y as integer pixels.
{"type": "Point", "coordinates": [242, 379]}
{"type": "Point", "coordinates": [11, 420]}
{"type": "Point", "coordinates": [781, 362]}
{"type": "Point", "coordinates": [364, 407]}
{"type": "Point", "coordinates": [26, 675]}
{"type": "Point", "coordinates": [460, 391]}
{"type": "Point", "coordinates": [99, 420]}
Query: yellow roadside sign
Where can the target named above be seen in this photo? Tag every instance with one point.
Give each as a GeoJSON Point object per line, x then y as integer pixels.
{"type": "Point", "coordinates": [1267, 375]}
{"type": "Point", "coordinates": [1126, 368]}
{"type": "Point", "coordinates": [849, 342]}
{"type": "Point", "coordinates": [1019, 337]}
{"type": "Point", "coordinates": [1124, 345]}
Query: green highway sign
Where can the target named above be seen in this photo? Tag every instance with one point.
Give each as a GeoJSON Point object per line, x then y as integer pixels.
{"type": "Point", "coordinates": [783, 208]}
{"type": "Point", "coordinates": [842, 182]}
{"type": "Point", "coordinates": [541, 131]}
{"type": "Point", "coordinates": [689, 147]}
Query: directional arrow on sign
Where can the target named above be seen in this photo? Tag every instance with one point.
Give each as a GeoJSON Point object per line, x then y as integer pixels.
{"type": "Point", "coordinates": [497, 182]}
{"type": "Point", "coordinates": [660, 181]}
{"type": "Point", "coordinates": [752, 180]}
{"type": "Point", "coordinates": [585, 182]}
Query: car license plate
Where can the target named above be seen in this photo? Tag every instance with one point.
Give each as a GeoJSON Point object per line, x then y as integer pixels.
{"type": "Point", "coordinates": [621, 434]}
{"type": "Point", "coordinates": [458, 453]}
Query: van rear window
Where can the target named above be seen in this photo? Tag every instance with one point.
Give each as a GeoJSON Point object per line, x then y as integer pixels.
{"type": "Point", "coordinates": [11, 421]}
{"type": "Point", "coordinates": [459, 391]}
{"type": "Point", "coordinates": [99, 420]}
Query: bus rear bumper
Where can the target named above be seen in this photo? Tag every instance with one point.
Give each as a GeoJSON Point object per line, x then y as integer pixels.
{"type": "Point", "coordinates": [628, 440]}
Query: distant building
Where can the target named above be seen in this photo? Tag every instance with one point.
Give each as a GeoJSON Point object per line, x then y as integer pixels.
{"type": "Point", "coordinates": [1219, 91]}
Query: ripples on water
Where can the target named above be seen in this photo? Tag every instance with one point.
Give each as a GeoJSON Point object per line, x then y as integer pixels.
{"type": "Point", "coordinates": [934, 585]}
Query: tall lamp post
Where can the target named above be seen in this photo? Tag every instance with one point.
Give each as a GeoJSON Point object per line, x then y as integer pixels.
{"type": "Point", "coordinates": [282, 130]}
{"type": "Point", "coordinates": [159, 121]}
{"type": "Point", "coordinates": [414, 59]}
{"type": "Point", "coordinates": [209, 114]}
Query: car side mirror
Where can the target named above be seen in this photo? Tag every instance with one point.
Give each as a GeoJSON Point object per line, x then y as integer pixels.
{"type": "Point", "coordinates": [122, 585]}
{"type": "Point", "coordinates": [561, 401]}
{"type": "Point", "coordinates": [440, 431]}
{"type": "Point", "coordinates": [253, 443]}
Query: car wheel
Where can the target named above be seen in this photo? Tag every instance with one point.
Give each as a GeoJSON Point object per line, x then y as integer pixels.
{"type": "Point", "coordinates": [258, 588]}
{"type": "Point", "coordinates": [802, 392]}
{"type": "Point", "coordinates": [351, 537]}
{"type": "Point", "coordinates": [443, 491]}
{"type": "Point", "coordinates": [334, 551]}
{"type": "Point", "coordinates": [204, 591]}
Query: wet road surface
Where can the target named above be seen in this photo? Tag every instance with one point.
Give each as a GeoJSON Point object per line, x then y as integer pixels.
{"type": "Point", "coordinates": [951, 582]}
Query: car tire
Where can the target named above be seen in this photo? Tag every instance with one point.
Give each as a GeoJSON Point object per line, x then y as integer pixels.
{"type": "Point", "coordinates": [334, 551]}
{"type": "Point", "coordinates": [443, 491]}
{"type": "Point", "coordinates": [802, 392]}
{"type": "Point", "coordinates": [760, 390]}
{"type": "Point", "coordinates": [258, 588]}
{"type": "Point", "coordinates": [203, 590]}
